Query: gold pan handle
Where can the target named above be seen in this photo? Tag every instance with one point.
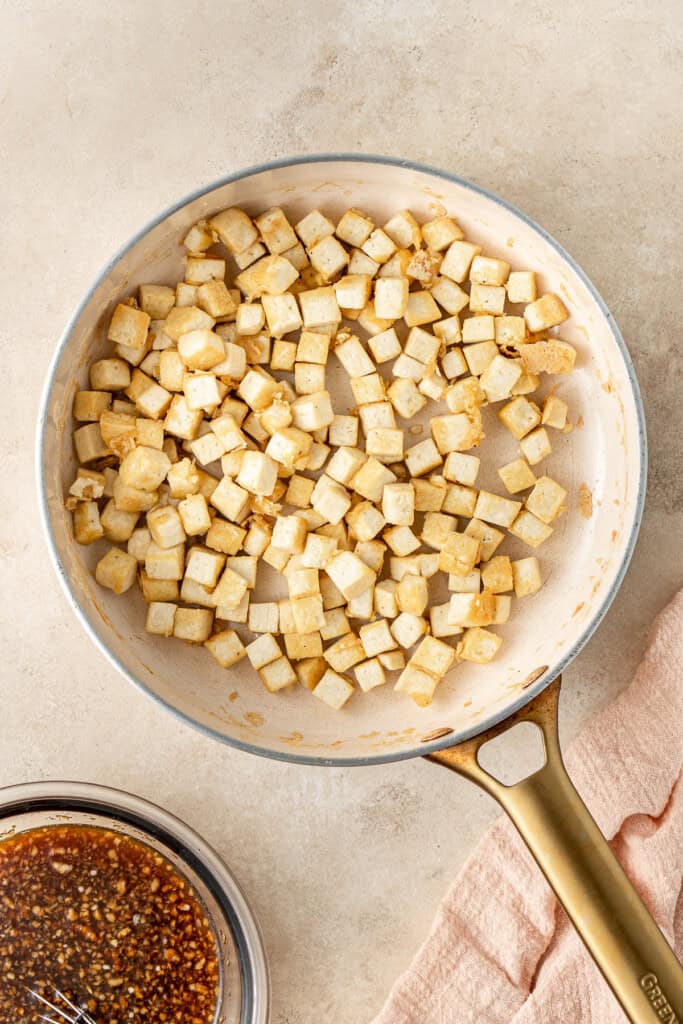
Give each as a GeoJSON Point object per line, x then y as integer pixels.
{"type": "Point", "coordinates": [607, 912]}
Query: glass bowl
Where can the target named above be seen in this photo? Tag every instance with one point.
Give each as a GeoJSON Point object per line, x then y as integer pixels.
{"type": "Point", "coordinates": [244, 990]}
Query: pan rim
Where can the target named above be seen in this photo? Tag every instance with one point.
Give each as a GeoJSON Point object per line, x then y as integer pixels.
{"type": "Point", "coordinates": [451, 739]}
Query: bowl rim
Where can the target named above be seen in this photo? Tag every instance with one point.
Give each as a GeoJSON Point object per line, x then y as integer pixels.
{"type": "Point", "coordinates": [118, 805]}
{"type": "Point", "coordinates": [551, 672]}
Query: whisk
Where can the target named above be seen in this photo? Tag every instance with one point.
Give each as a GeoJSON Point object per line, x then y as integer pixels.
{"type": "Point", "coordinates": [74, 1014]}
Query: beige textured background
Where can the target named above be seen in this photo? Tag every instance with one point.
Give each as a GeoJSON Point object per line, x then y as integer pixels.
{"type": "Point", "coordinates": [111, 110]}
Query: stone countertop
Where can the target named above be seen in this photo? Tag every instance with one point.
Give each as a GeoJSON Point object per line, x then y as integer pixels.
{"type": "Point", "coordinates": [110, 111]}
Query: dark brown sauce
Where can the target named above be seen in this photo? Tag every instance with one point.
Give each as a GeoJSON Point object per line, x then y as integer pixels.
{"type": "Point", "coordinates": [107, 920]}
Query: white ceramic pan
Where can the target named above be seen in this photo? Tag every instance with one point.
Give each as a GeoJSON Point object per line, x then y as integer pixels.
{"type": "Point", "coordinates": [584, 562]}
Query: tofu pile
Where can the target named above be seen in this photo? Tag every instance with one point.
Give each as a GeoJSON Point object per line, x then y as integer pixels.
{"type": "Point", "coordinates": [208, 443]}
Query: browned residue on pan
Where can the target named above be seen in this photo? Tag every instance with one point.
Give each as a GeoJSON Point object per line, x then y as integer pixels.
{"type": "Point", "coordinates": [585, 501]}
{"type": "Point", "coordinates": [254, 718]}
{"type": "Point", "coordinates": [533, 676]}
{"type": "Point", "coordinates": [579, 423]}
{"type": "Point", "coordinates": [578, 608]}
{"type": "Point", "coordinates": [615, 534]}
{"type": "Point", "coordinates": [294, 739]}
{"type": "Point", "coordinates": [233, 696]}
{"type": "Point", "coordinates": [435, 734]}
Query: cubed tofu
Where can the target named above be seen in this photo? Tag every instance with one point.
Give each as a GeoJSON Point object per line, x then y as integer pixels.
{"type": "Point", "coordinates": [441, 232]}
{"type": "Point", "coordinates": [458, 259]}
{"type": "Point", "coordinates": [282, 314]}
{"type": "Point", "coordinates": [376, 637]}
{"type": "Point", "coordinates": [448, 330]}
{"type": "Point", "coordinates": [87, 525]}
{"type": "Point", "coordinates": [258, 473]}
{"type": "Point", "coordinates": [365, 521]}
{"type": "Point", "coordinates": [276, 230]}
{"type": "Point", "coordinates": [349, 574]}
{"type": "Point", "coordinates": [405, 398]}
{"type": "Point", "coordinates": [89, 405]}
{"type": "Point", "coordinates": [494, 509]}
{"type": "Point", "coordinates": [546, 312]}
{"type": "Point", "coordinates": [479, 356]}
{"type": "Point", "coordinates": [193, 625]}
{"type": "Point", "coordinates": [438, 620]}
{"type": "Point", "coordinates": [520, 416]}
{"type": "Point", "coordinates": [158, 590]}
{"type": "Point", "coordinates": [521, 286]}
{"type": "Point", "coordinates": [551, 356]}
{"type": "Point", "coordinates": [385, 444]}
{"type": "Point", "coordinates": [457, 431]}
{"type": "Point", "coordinates": [194, 515]}
{"type": "Point", "coordinates": [401, 540]}
{"type": "Point", "coordinates": [328, 256]}
{"type": "Point", "coordinates": [226, 647]}
{"type": "Point", "coordinates": [353, 291]}
{"type": "Point", "coordinates": [391, 297]}
{"type": "Point", "coordinates": [310, 671]}
{"type": "Point", "coordinates": [319, 306]}
{"type": "Point", "coordinates": [263, 651]}
{"type": "Point", "coordinates": [344, 653]}
{"type": "Point", "coordinates": [144, 468]}
{"type": "Point", "coordinates": [499, 378]}
{"type": "Point", "coordinates": [263, 617]}
{"type": "Point", "coordinates": [117, 525]}
{"type": "Point", "coordinates": [422, 458]}
{"type": "Point", "coordinates": [536, 446]}
{"type": "Point", "coordinates": [289, 534]}
{"type": "Point", "coordinates": [516, 476]}
{"type": "Point", "coordinates": [370, 674]}
{"type": "Point", "coordinates": [437, 528]}
{"type": "Point", "coordinates": [181, 421]}
{"type": "Point", "coordinates": [312, 412]}
{"type": "Point", "coordinates": [412, 594]}
{"type": "Point", "coordinates": [385, 345]}
{"type": "Point", "coordinates": [128, 326]}
{"type": "Point", "coordinates": [453, 363]}
{"type": "Point", "coordinates": [471, 609]}
{"type": "Point", "coordinates": [88, 485]}
{"type": "Point", "coordinates": [407, 629]}
{"type": "Point", "coordinates": [496, 575]}
{"type": "Point", "coordinates": [461, 468]}
{"type": "Point", "coordinates": [222, 536]}
{"type": "Point", "coordinates": [231, 500]}
{"type": "Point", "coordinates": [530, 529]}
{"type": "Point", "coordinates": [313, 227]}
{"type": "Point", "coordinates": [398, 504]}
{"type": "Point", "coordinates": [166, 527]}
{"type": "Point", "coordinates": [289, 446]}
{"type": "Point", "coordinates": [283, 355]}
{"type": "Point", "coordinates": [204, 566]}
{"type": "Point", "coordinates": [160, 618]}
{"type": "Point", "coordinates": [334, 689]}
{"type": "Point", "coordinates": [235, 229]}
{"type": "Point", "coordinates": [117, 571]}
{"type": "Point", "coordinates": [547, 499]}
{"type": "Point", "coordinates": [526, 574]}
{"type": "Point", "coordinates": [479, 645]}
{"type": "Point", "coordinates": [459, 554]}
{"type": "Point", "coordinates": [429, 494]}
{"type": "Point", "coordinates": [488, 536]}
{"type": "Point", "coordinates": [385, 600]}
{"type": "Point", "coordinates": [421, 309]}
{"type": "Point", "coordinates": [554, 413]}
{"type": "Point", "coordinates": [485, 298]}
{"type": "Point", "coordinates": [89, 443]}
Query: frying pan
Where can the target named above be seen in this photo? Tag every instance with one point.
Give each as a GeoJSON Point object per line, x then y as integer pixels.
{"type": "Point", "coordinates": [603, 461]}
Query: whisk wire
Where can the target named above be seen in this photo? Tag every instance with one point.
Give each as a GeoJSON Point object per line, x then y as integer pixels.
{"type": "Point", "coordinates": [81, 1016]}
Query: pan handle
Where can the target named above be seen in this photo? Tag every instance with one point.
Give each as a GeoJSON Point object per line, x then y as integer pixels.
{"type": "Point", "coordinates": [621, 936]}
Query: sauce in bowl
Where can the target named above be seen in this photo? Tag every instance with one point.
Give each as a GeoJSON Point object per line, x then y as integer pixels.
{"type": "Point", "coordinates": [110, 922]}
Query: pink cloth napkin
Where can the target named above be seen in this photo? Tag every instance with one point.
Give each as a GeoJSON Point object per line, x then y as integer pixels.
{"type": "Point", "coordinates": [501, 950]}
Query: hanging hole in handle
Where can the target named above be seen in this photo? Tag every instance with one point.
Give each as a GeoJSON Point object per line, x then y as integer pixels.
{"type": "Point", "coordinates": [514, 755]}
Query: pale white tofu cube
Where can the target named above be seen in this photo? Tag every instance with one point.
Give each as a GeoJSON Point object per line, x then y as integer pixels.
{"type": "Point", "coordinates": [422, 458]}
{"type": "Point", "coordinates": [471, 609]}
{"type": "Point", "coordinates": [353, 356]}
{"type": "Point", "coordinates": [263, 617]}
{"type": "Point", "coordinates": [421, 309]}
{"type": "Point", "coordinates": [183, 479]}
{"type": "Point", "coordinates": [546, 312]}
{"type": "Point", "coordinates": [385, 444]}
{"type": "Point", "coordinates": [520, 416]}
{"type": "Point", "coordinates": [368, 390]}
{"type": "Point", "coordinates": [334, 689]}
{"type": "Point", "coordinates": [401, 540]}
{"type": "Point", "coordinates": [328, 256]}
{"type": "Point", "coordinates": [330, 499]}
{"type": "Point", "coordinates": [423, 266]}
{"type": "Point", "coordinates": [250, 318]}
{"type": "Point", "coordinates": [488, 536]}
{"type": "Point", "coordinates": [344, 653]}
{"type": "Point", "coordinates": [407, 629]}
{"type": "Point", "coordinates": [403, 229]}
{"type": "Point", "coordinates": [371, 552]}
{"type": "Point", "coordinates": [453, 363]}
{"type": "Point", "coordinates": [231, 500]}
{"type": "Point", "coordinates": [370, 674]}
{"type": "Point", "coordinates": [204, 566]}
{"type": "Point", "coordinates": [319, 306]}
{"type": "Point", "coordinates": [144, 468]}
{"type": "Point", "coordinates": [479, 356]}
{"type": "Point", "coordinates": [303, 646]}
{"type": "Point", "coordinates": [270, 276]}
{"type": "Point", "coordinates": [459, 554]}
{"type": "Point", "coordinates": [385, 346]}
{"type": "Point", "coordinates": [226, 647]}
{"type": "Point", "coordinates": [289, 447]}
{"type": "Point", "coordinates": [412, 594]}
{"type": "Point", "coordinates": [276, 230]}
{"type": "Point", "coordinates": [263, 651]}
{"type": "Point", "coordinates": [193, 625]}
{"type": "Point", "coordinates": [365, 521]}
{"type": "Point", "coordinates": [510, 330]}
{"type": "Point", "coordinates": [458, 259]}
{"type": "Point", "coordinates": [516, 476]}
{"type": "Point", "coordinates": [350, 574]}
{"type": "Point", "coordinates": [283, 355]}
{"type": "Point", "coordinates": [370, 480]}
{"type": "Point", "coordinates": [491, 508]}
{"type": "Point", "coordinates": [117, 525]}
{"type": "Point", "coordinates": [87, 525]}
{"type": "Point", "coordinates": [336, 624]}
{"type": "Point", "coordinates": [438, 620]}
{"type": "Point", "coordinates": [345, 463]}
{"type": "Point", "coordinates": [405, 398]}
{"type": "Point", "coordinates": [499, 378]}
{"type": "Point", "coordinates": [526, 574]}
{"type": "Point", "coordinates": [391, 297]}
{"type": "Point", "coordinates": [312, 412]}
{"type": "Point", "coordinates": [554, 413]}
{"type": "Point", "coordinates": [343, 431]}
{"type": "Point", "coordinates": [436, 529]}
{"type": "Point", "coordinates": [461, 468]}
{"type": "Point", "coordinates": [485, 298]}
{"type": "Point", "coordinates": [185, 319]}
{"type": "Point", "coordinates": [376, 637]}
{"type": "Point", "coordinates": [441, 232]}
{"type": "Point", "coordinates": [487, 270]}
{"type": "Point", "coordinates": [465, 395]}
{"type": "Point", "coordinates": [206, 448]}
{"type": "Point", "coordinates": [371, 322]}
{"type": "Point", "coordinates": [530, 529]}
{"type": "Point", "coordinates": [378, 246]}
{"type": "Point", "coordinates": [166, 527]}
{"type": "Point", "coordinates": [479, 645]}
{"type": "Point", "coordinates": [194, 515]}
{"type": "Point", "coordinates": [88, 486]}
{"type": "Point", "coordinates": [521, 286]}
{"type": "Point", "coordinates": [360, 264]}
{"type": "Point", "coordinates": [536, 446]}
{"type": "Point", "coordinates": [309, 378]}
{"type": "Point", "coordinates": [478, 328]}
{"type": "Point", "coordinates": [502, 610]}
{"type": "Point", "coordinates": [234, 364]}
{"type": "Point", "coordinates": [398, 504]}
{"type": "Point", "coordinates": [385, 600]}
{"type": "Point", "coordinates": [355, 227]}
{"type": "Point", "coordinates": [128, 326]}
{"type": "Point", "coordinates": [237, 614]}
{"type": "Point", "coordinates": [289, 534]}
{"type": "Point", "coordinates": [547, 499]}
{"type": "Point", "coordinates": [448, 330]}
{"type": "Point", "coordinates": [450, 297]}
{"type": "Point", "coordinates": [181, 421]}
{"type": "Point", "coordinates": [299, 491]}
{"type": "Point", "coordinates": [282, 314]}
{"type": "Point", "coordinates": [313, 347]}
{"type": "Point", "coordinates": [250, 255]}
{"type": "Point", "coordinates": [353, 291]}
{"type": "Point", "coordinates": [258, 537]}
{"type": "Point", "coordinates": [313, 227]}
{"type": "Point", "coordinates": [160, 618]}
{"type": "Point", "coordinates": [201, 349]}
{"type": "Point", "coordinates": [399, 566]}
{"type": "Point", "coordinates": [363, 606]}
{"type": "Point", "coordinates": [234, 228]}
{"type": "Point", "coordinates": [230, 589]}
{"type": "Point", "coordinates": [376, 414]}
